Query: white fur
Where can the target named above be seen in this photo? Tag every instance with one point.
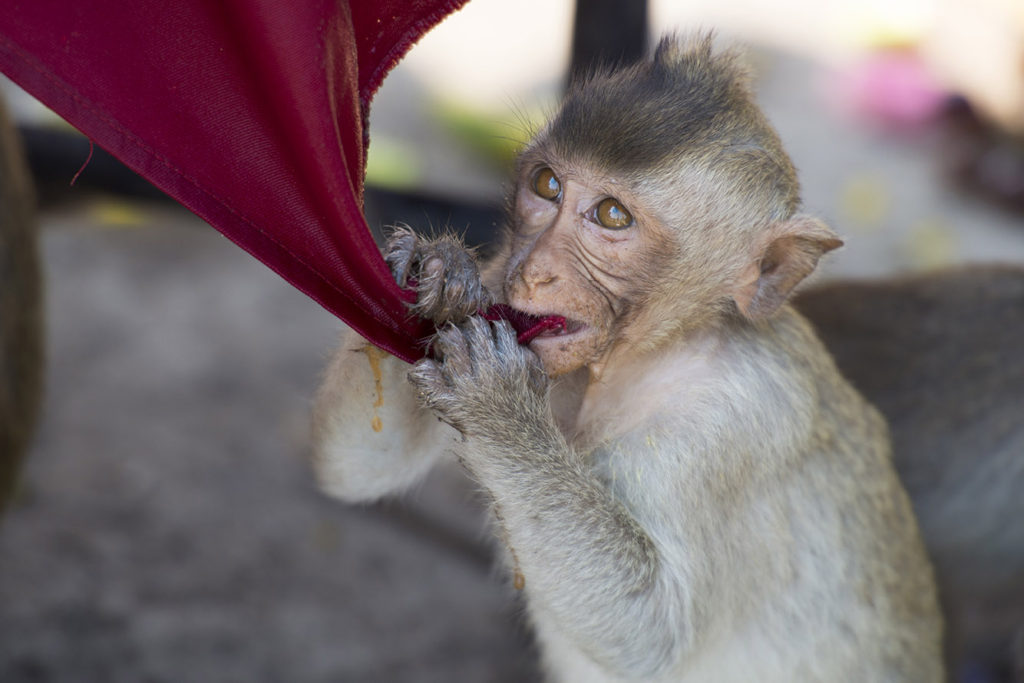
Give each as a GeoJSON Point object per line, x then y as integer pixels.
{"type": "Point", "coordinates": [355, 462]}
{"type": "Point", "coordinates": [705, 444]}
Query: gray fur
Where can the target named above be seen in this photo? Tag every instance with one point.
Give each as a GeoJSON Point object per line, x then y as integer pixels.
{"type": "Point", "coordinates": [941, 355]}
{"type": "Point", "coordinates": [689, 102]}
{"type": "Point", "coordinates": [448, 284]}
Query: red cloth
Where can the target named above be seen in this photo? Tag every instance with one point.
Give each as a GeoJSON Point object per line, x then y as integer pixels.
{"type": "Point", "coordinates": [251, 113]}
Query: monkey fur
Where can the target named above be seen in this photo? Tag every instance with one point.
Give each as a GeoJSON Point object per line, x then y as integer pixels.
{"type": "Point", "coordinates": [21, 311]}
{"type": "Point", "coordinates": [940, 355]}
{"type": "Point", "coordinates": [687, 488]}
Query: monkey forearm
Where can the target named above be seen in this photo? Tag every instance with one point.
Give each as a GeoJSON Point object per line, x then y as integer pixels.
{"type": "Point", "coordinates": [589, 566]}
{"type": "Point", "coordinates": [582, 555]}
{"type": "Point", "coordinates": [370, 436]}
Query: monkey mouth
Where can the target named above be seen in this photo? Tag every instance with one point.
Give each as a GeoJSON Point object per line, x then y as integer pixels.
{"type": "Point", "coordinates": [565, 327]}
{"type": "Point", "coordinates": [529, 326]}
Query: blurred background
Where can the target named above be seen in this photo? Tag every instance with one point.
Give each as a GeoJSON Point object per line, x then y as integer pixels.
{"type": "Point", "coordinates": [167, 527]}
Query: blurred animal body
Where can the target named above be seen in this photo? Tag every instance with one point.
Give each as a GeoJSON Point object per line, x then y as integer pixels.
{"type": "Point", "coordinates": [21, 311]}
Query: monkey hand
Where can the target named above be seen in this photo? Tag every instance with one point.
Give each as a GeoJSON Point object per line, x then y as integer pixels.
{"type": "Point", "coordinates": [443, 272]}
{"type": "Point", "coordinates": [484, 383]}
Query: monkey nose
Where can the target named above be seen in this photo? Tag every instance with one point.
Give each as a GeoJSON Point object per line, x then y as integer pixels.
{"type": "Point", "coordinates": [533, 278]}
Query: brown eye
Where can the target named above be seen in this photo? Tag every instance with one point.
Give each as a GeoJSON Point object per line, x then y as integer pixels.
{"type": "Point", "coordinates": [546, 184]}
{"type": "Point", "coordinates": [612, 215]}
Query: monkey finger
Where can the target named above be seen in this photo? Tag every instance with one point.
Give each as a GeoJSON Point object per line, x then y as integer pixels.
{"type": "Point", "coordinates": [432, 391]}
{"type": "Point", "coordinates": [505, 338]}
{"type": "Point", "coordinates": [457, 306]}
{"type": "Point", "coordinates": [518, 360]}
{"type": "Point", "coordinates": [435, 298]}
{"type": "Point", "coordinates": [425, 371]}
{"type": "Point", "coordinates": [428, 378]}
{"type": "Point", "coordinates": [399, 252]}
{"type": "Point", "coordinates": [506, 346]}
{"type": "Point", "coordinates": [452, 349]}
{"type": "Point", "coordinates": [481, 342]}
{"type": "Point", "coordinates": [465, 297]}
{"type": "Point", "coordinates": [429, 292]}
{"type": "Point", "coordinates": [463, 294]}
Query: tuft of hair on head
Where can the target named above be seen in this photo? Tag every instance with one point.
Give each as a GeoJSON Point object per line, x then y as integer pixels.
{"type": "Point", "coordinates": [693, 57]}
{"type": "Point", "coordinates": [633, 116]}
{"type": "Point", "coordinates": [690, 104]}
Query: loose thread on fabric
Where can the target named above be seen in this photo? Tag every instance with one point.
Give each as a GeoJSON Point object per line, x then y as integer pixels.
{"type": "Point", "coordinates": [87, 160]}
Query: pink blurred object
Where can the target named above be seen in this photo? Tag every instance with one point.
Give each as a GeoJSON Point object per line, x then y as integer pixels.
{"type": "Point", "coordinates": [893, 88]}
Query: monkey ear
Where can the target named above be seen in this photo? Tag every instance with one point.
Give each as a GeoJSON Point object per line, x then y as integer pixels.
{"type": "Point", "coordinates": [789, 253]}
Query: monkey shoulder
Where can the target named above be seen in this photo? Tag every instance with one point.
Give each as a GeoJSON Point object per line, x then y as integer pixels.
{"type": "Point", "coordinates": [766, 383]}
{"type": "Point", "coordinates": [726, 413]}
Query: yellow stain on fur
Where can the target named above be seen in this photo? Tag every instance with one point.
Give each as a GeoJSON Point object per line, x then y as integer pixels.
{"type": "Point", "coordinates": [373, 354]}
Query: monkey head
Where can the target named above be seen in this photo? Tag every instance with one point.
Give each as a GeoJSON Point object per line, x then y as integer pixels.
{"type": "Point", "coordinates": [657, 201]}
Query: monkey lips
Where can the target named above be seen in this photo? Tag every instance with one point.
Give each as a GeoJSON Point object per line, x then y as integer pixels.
{"type": "Point", "coordinates": [528, 326]}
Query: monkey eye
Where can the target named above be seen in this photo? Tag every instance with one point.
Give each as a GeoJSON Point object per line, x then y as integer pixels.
{"type": "Point", "coordinates": [613, 215]}
{"type": "Point", "coordinates": [546, 185]}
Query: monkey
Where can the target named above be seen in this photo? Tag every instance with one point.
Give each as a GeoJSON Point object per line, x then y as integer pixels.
{"type": "Point", "coordinates": [685, 486]}
{"type": "Point", "coordinates": [939, 354]}
{"type": "Point", "coordinates": [21, 311]}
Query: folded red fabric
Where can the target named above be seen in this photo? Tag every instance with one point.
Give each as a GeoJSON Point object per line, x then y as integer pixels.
{"type": "Point", "coordinates": [251, 113]}
{"type": "Point", "coordinates": [527, 327]}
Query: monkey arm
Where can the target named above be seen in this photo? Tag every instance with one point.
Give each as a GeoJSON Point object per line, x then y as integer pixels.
{"type": "Point", "coordinates": [370, 437]}
{"type": "Point", "coordinates": [591, 570]}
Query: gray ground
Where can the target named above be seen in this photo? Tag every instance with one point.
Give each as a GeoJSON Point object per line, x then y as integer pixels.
{"type": "Point", "coordinates": [169, 528]}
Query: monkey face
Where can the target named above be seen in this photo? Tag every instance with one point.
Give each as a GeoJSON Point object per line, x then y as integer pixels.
{"type": "Point", "coordinates": [581, 244]}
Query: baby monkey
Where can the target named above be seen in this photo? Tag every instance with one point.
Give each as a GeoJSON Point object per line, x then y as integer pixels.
{"type": "Point", "coordinates": [687, 487]}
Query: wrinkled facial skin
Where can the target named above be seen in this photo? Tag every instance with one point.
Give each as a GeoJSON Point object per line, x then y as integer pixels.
{"type": "Point", "coordinates": [582, 245]}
